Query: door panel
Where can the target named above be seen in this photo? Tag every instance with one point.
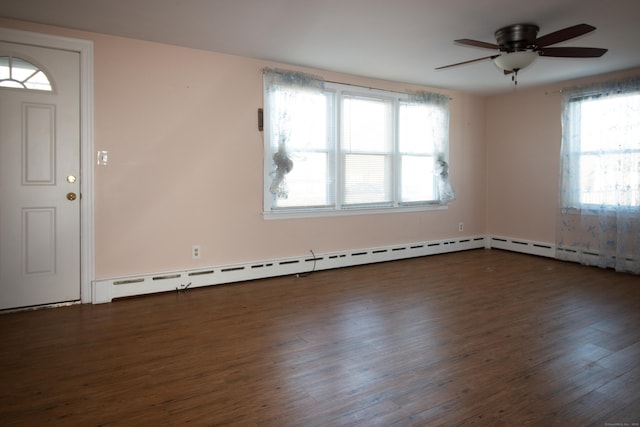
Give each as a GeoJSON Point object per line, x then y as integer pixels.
{"type": "Point", "coordinates": [38, 157]}
{"type": "Point", "coordinates": [38, 240]}
{"type": "Point", "coordinates": [39, 149]}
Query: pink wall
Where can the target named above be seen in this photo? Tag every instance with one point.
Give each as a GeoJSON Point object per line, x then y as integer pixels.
{"type": "Point", "coordinates": [185, 164]}
{"type": "Point", "coordinates": [523, 157]}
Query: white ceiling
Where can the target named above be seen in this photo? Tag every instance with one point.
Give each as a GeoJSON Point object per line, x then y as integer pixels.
{"type": "Point", "coordinates": [400, 40]}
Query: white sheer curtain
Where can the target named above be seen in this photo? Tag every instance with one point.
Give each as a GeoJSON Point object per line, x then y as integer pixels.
{"type": "Point", "coordinates": [599, 216]}
{"type": "Point", "coordinates": [437, 107]}
{"type": "Point", "coordinates": [287, 94]}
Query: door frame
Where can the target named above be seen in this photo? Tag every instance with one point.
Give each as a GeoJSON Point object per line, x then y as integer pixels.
{"type": "Point", "coordinates": [85, 49]}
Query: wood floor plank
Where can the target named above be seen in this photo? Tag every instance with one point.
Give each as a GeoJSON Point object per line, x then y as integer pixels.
{"type": "Point", "coordinates": [482, 337]}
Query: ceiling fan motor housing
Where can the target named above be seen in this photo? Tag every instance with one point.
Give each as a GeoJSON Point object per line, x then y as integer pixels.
{"type": "Point", "coordinates": [517, 37]}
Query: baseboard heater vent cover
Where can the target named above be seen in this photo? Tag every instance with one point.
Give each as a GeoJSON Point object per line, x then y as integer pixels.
{"type": "Point", "coordinates": [106, 290]}
{"type": "Point", "coordinates": [521, 245]}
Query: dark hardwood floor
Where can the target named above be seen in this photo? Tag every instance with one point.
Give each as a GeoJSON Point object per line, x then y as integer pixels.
{"type": "Point", "coordinates": [482, 337]}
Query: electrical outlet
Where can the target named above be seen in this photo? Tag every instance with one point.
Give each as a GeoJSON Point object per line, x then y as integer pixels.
{"type": "Point", "coordinates": [461, 226]}
{"type": "Point", "coordinates": [195, 252]}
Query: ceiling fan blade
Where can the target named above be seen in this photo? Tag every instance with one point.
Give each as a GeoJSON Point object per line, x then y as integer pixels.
{"type": "Point", "coordinates": [467, 62]}
{"type": "Point", "coordinates": [564, 34]}
{"type": "Point", "coordinates": [477, 43]}
{"type": "Point", "coordinates": [572, 52]}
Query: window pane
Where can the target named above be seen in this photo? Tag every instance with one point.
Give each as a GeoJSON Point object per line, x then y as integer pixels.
{"type": "Point", "coordinates": [11, 83]}
{"type": "Point", "coordinates": [417, 179]}
{"type": "Point", "coordinates": [308, 183]}
{"type": "Point", "coordinates": [366, 179]}
{"type": "Point", "coordinates": [38, 81]}
{"type": "Point", "coordinates": [300, 119]}
{"type": "Point", "coordinates": [610, 179]}
{"type": "Point", "coordinates": [417, 129]}
{"type": "Point", "coordinates": [610, 123]}
{"type": "Point", "coordinates": [366, 125]}
{"type": "Point", "coordinates": [21, 69]}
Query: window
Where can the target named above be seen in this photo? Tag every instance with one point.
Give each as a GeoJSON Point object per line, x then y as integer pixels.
{"type": "Point", "coordinates": [21, 74]}
{"type": "Point", "coordinates": [599, 221]}
{"type": "Point", "coordinates": [333, 148]}
{"type": "Point", "coordinates": [601, 148]}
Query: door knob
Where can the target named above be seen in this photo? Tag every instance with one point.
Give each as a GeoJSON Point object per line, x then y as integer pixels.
{"type": "Point", "coordinates": [71, 196]}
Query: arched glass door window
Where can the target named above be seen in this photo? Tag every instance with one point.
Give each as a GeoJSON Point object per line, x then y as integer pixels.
{"type": "Point", "coordinates": [18, 73]}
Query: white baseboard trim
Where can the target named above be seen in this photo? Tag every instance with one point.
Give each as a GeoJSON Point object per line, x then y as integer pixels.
{"type": "Point", "coordinates": [522, 245]}
{"type": "Point", "coordinates": [105, 290]}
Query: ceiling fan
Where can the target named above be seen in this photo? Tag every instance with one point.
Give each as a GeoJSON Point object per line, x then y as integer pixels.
{"type": "Point", "coordinates": [519, 45]}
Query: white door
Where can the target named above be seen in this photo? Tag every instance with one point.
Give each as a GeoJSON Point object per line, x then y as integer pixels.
{"type": "Point", "coordinates": [39, 178]}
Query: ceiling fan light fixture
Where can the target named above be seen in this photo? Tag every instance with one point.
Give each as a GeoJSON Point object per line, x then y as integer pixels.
{"type": "Point", "coordinates": [513, 61]}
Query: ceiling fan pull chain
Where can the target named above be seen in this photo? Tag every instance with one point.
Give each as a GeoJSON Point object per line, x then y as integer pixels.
{"type": "Point", "coordinates": [514, 78]}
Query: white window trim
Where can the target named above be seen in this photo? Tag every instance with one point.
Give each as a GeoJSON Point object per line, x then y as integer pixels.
{"type": "Point", "coordinates": [340, 209]}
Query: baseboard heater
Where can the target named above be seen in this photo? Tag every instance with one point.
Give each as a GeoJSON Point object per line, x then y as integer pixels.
{"type": "Point", "coordinates": [108, 289]}
{"type": "Point", "coordinates": [591, 257]}
{"type": "Point", "coordinates": [520, 245]}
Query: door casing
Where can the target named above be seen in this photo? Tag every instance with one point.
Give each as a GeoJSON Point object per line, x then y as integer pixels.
{"type": "Point", "coordinates": [85, 49]}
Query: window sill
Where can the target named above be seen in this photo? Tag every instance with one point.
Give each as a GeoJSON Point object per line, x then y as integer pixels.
{"type": "Point", "coordinates": [324, 213]}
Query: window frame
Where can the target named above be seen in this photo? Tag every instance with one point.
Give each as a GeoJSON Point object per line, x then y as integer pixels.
{"type": "Point", "coordinates": [28, 81]}
{"type": "Point", "coordinates": [343, 153]}
{"type": "Point", "coordinates": [340, 208]}
{"type": "Point", "coordinates": [571, 201]}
